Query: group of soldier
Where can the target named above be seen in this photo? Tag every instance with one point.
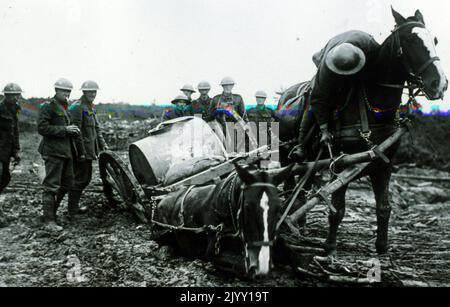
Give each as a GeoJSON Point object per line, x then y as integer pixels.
{"type": "Point", "coordinates": [226, 109]}
{"type": "Point", "coordinates": [71, 141]}
{"type": "Point", "coordinates": [226, 106]}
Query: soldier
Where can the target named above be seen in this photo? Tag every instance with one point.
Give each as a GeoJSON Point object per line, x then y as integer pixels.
{"type": "Point", "coordinates": [181, 108]}
{"type": "Point", "coordinates": [346, 58]}
{"type": "Point", "coordinates": [201, 105]}
{"type": "Point", "coordinates": [89, 145]}
{"type": "Point", "coordinates": [229, 107]}
{"type": "Point", "coordinates": [188, 90]}
{"type": "Point", "coordinates": [58, 149]}
{"type": "Point", "coordinates": [9, 131]}
{"type": "Point", "coordinates": [261, 114]}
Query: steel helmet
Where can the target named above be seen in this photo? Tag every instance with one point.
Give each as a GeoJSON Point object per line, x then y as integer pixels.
{"type": "Point", "coordinates": [204, 86]}
{"type": "Point", "coordinates": [63, 84]}
{"type": "Point", "coordinates": [227, 81]}
{"type": "Point", "coordinates": [12, 88]}
{"type": "Point", "coordinates": [89, 86]}
{"type": "Point", "coordinates": [188, 88]}
{"type": "Point", "coordinates": [180, 98]}
{"type": "Point", "coordinates": [345, 59]}
{"type": "Point", "coordinates": [261, 94]}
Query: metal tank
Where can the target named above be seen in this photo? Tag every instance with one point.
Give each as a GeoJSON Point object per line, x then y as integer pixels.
{"type": "Point", "coordinates": [172, 143]}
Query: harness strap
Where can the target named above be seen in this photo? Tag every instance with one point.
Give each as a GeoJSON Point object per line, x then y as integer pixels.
{"type": "Point", "coordinates": [181, 213]}
{"type": "Point", "coordinates": [409, 23]}
{"type": "Point", "coordinates": [231, 197]}
{"type": "Point", "coordinates": [260, 243]}
{"type": "Point", "coordinates": [346, 103]}
{"type": "Point", "coordinates": [365, 131]}
{"type": "Point", "coordinates": [396, 86]}
{"type": "Point", "coordinates": [178, 228]}
{"type": "Point", "coordinates": [427, 63]}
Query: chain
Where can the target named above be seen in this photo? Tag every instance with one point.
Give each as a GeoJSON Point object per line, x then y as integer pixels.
{"type": "Point", "coordinates": [219, 231]}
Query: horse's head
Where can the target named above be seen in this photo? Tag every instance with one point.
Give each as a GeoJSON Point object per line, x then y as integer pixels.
{"type": "Point", "coordinates": [417, 48]}
{"type": "Point", "coordinates": [259, 211]}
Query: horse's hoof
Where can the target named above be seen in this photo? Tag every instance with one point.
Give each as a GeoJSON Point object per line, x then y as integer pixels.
{"type": "Point", "coordinates": [302, 222]}
{"type": "Point", "coordinates": [382, 248]}
{"type": "Point", "coordinates": [330, 248]}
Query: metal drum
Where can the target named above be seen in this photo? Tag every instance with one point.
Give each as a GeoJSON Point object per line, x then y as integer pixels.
{"type": "Point", "coordinates": [171, 143]}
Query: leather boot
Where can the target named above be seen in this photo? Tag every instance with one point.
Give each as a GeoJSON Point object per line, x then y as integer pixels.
{"type": "Point", "coordinates": [48, 216]}
{"type": "Point", "coordinates": [73, 204]}
{"type": "Point", "coordinates": [59, 197]}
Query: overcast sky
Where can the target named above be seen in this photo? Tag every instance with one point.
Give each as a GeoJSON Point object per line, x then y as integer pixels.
{"type": "Point", "coordinates": [141, 50]}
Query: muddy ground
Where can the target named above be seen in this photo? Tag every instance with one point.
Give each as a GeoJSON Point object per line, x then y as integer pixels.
{"type": "Point", "coordinates": [110, 248]}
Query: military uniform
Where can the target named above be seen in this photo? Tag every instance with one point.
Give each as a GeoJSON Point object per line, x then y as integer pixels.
{"type": "Point", "coordinates": [9, 139]}
{"type": "Point", "coordinates": [172, 113]}
{"type": "Point", "coordinates": [89, 144]}
{"type": "Point", "coordinates": [58, 149]}
{"type": "Point", "coordinates": [329, 90]}
{"type": "Point", "coordinates": [201, 106]}
{"type": "Point", "coordinates": [228, 108]}
{"type": "Point", "coordinates": [262, 114]}
{"type": "Point", "coordinates": [223, 106]}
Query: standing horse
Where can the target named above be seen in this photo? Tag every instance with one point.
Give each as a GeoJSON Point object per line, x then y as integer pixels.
{"type": "Point", "coordinates": [236, 216]}
{"type": "Point", "coordinates": [407, 55]}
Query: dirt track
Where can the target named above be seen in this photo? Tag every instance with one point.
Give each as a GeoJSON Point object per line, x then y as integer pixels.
{"type": "Point", "coordinates": [108, 248]}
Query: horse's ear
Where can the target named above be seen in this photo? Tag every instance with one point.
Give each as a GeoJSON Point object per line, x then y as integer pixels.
{"type": "Point", "coordinates": [419, 16]}
{"type": "Point", "coordinates": [399, 19]}
{"type": "Point", "coordinates": [243, 174]}
{"type": "Point", "coordinates": [278, 176]}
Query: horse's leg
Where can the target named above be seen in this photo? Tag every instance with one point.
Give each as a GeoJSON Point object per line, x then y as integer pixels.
{"type": "Point", "coordinates": [335, 219]}
{"type": "Point", "coordinates": [380, 184]}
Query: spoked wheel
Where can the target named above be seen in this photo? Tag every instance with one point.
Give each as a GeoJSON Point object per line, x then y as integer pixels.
{"type": "Point", "coordinates": [120, 187]}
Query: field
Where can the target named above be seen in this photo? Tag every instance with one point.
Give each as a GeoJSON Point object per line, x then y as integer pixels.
{"type": "Point", "coordinates": [110, 248]}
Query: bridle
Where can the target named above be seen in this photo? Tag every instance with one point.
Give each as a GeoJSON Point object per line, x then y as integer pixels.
{"type": "Point", "coordinates": [415, 84]}
{"type": "Point", "coordinates": [270, 188]}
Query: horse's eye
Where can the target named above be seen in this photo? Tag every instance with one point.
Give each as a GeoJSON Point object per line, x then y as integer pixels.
{"type": "Point", "coordinates": [436, 41]}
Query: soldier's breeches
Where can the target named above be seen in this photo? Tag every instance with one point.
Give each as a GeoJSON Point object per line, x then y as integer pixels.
{"type": "Point", "coordinates": [83, 175]}
{"type": "Point", "coordinates": [308, 121]}
{"type": "Point", "coordinates": [59, 175]}
{"type": "Point", "coordinates": [5, 176]}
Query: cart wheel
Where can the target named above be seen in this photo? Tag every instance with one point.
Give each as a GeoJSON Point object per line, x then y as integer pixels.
{"type": "Point", "coordinates": [121, 188]}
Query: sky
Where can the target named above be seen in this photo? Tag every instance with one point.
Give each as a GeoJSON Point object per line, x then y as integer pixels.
{"type": "Point", "coordinates": [144, 51]}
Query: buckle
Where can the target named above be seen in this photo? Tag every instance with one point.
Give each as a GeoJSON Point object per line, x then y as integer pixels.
{"type": "Point", "coordinates": [365, 135]}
